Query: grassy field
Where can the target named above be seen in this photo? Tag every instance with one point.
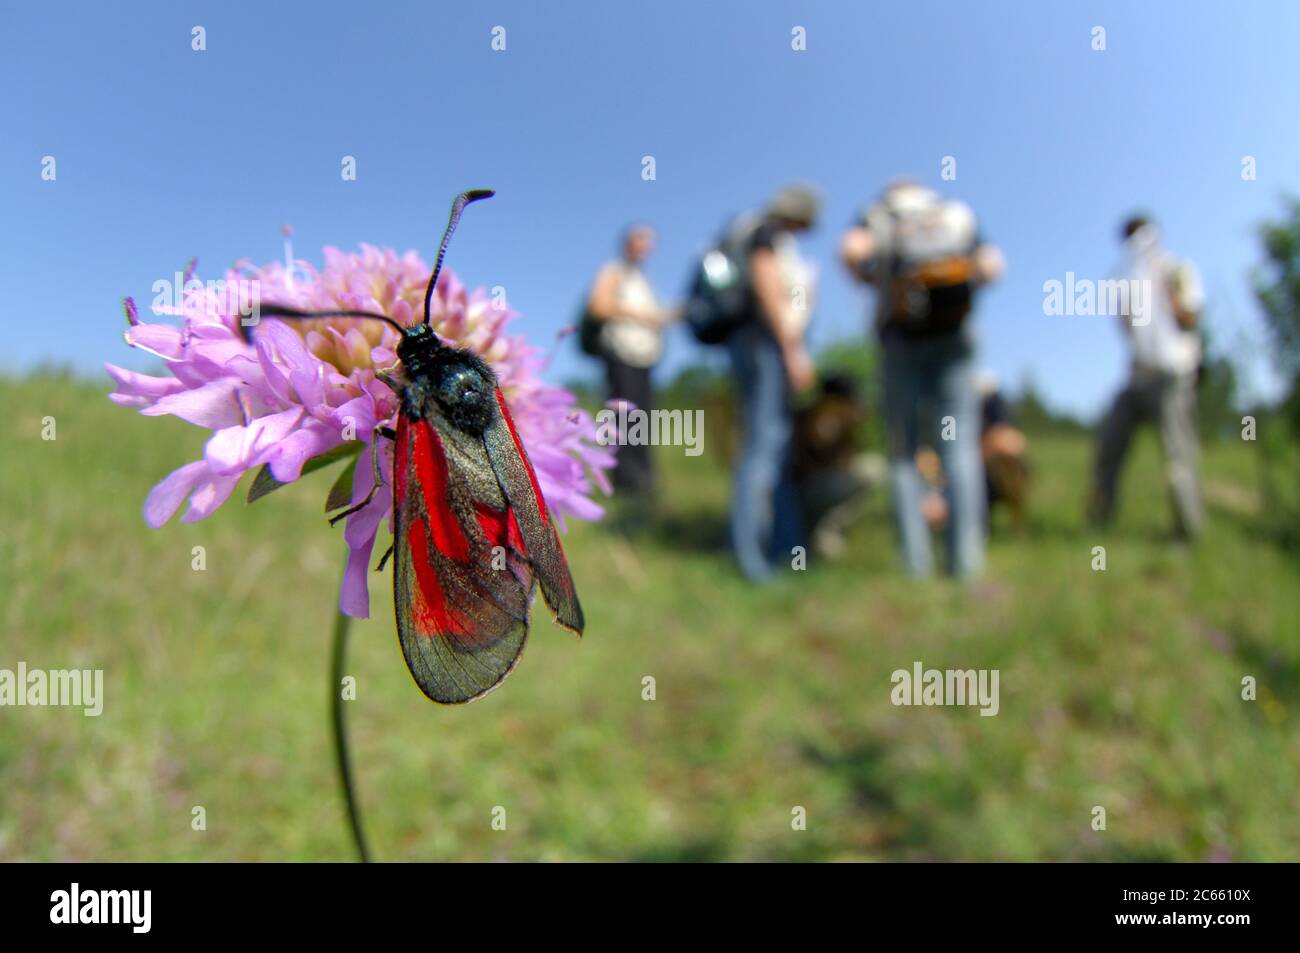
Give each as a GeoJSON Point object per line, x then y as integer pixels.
{"type": "Point", "coordinates": [1119, 689]}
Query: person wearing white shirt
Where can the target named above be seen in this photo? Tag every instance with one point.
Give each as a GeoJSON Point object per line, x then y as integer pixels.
{"type": "Point", "coordinates": [1160, 324]}
{"type": "Point", "coordinates": [631, 343]}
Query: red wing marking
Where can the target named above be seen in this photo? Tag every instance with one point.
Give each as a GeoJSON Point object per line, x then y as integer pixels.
{"type": "Point", "coordinates": [501, 529]}
{"type": "Point", "coordinates": [429, 609]}
{"type": "Point", "coordinates": [431, 471]}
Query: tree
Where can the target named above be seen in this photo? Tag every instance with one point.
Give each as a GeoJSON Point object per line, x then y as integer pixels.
{"type": "Point", "coordinates": [1032, 414]}
{"type": "Point", "coordinates": [1216, 398]}
{"type": "Point", "coordinates": [1277, 287]}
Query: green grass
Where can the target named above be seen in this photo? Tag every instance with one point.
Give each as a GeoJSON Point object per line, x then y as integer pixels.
{"type": "Point", "coordinates": [1119, 688]}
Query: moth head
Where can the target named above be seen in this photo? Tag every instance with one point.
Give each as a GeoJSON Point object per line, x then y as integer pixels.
{"type": "Point", "coordinates": [416, 341]}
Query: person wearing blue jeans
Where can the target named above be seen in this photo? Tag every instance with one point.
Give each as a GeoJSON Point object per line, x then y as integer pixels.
{"type": "Point", "coordinates": [771, 363]}
{"type": "Point", "coordinates": [925, 258]}
{"type": "Point", "coordinates": [765, 519]}
{"type": "Point", "coordinates": [931, 381]}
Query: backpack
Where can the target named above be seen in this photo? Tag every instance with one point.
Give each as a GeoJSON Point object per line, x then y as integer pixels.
{"type": "Point", "coordinates": [718, 298]}
{"type": "Point", "coordinates": [589, 332]}
{"type": "Point", "coordinates": [931, 268]}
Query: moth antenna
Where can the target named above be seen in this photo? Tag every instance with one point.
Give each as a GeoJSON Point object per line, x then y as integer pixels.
{"type": "Point", "coordinates": [283, 311]}
{"type": "Point", "coordinates": [457, 206]}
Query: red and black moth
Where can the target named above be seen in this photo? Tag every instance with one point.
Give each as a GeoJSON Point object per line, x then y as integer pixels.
{"type": "Point", "coordinates": [472, 534]}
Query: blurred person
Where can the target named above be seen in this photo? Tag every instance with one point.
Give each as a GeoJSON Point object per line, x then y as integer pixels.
{"type": "Point", "coordinates": [934, 501]}
{"type": "Point", "coordinates": [831, 472]}
{"type": "Point", "coordinates": [925, 258]}
{"type": "Point", "coordinates": [1003, 449]}
{"type": "Point", "coordinates": [1165, 351]}
{"type": "Point", "coordinates": [628, 322]}
{"type": "Point", "coordinates": [1003, 453]}
{"type": "Point", "coordinates": [771, 364]}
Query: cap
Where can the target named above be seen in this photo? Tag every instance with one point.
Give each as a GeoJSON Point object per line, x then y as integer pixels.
{"type": "Point", "coordinates": [798, 203]}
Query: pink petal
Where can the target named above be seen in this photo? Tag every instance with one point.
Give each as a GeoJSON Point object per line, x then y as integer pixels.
{"type": "Point", "coordinates": [209, 496]}
{"type": "Point", "coordinates": [287, 346]}
{"type": "Point", "coordinates": [214, 405]}
{"type": "Point", "coordinates": [276, 383]}
{"type": "Point", "coordinates": [354, 594]}
{"type": "Point", "coordinates": [235, 449]}
{"type": "Point", "coordinates": [161, 339]}
{"type": "Point", "coordinates": [289, 456]}
{"type": "Point", "coordinates": [359, 413]}
{"type": "Point", "coordinates": [144, 387]}
{"type": "Point", "coordinates": [165, 498]}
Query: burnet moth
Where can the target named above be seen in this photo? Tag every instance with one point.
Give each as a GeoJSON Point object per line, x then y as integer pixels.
{"type": "Point", "coordinates": [472, 534]}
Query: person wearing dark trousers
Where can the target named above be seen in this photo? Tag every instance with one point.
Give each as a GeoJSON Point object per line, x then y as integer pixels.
{"type": "Point", "coordinates": [634, 472]}
{"type": "Point", "coordinates": [1163, 335]}
{"type": "Point", "coordinates": [631, 343]}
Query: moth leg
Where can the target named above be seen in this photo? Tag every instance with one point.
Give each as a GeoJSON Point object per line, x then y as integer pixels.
{"type": "Point", "coordinates": [383, 560]}
{"type": "Point", "coordinates": [376, 482]}
{"type": "Point", "coordinates": [380, 431]}
{"type": "Point", "coordinates": [377, 478]}
{"type": "Point", "coordinates": [353, 508]}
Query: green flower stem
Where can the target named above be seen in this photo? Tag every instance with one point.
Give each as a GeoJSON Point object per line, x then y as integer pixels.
{"type": "Point", "coordinates": [341, 625]}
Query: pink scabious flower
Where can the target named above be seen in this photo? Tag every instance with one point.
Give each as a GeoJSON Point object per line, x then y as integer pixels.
{"type": "Point", "coordinates": [301, 389]}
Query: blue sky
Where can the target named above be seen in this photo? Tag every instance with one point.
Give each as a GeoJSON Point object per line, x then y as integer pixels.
{"type": "Point", "coordinates": [163, 152]}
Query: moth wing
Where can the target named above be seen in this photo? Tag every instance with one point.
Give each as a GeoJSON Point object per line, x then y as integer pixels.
{"type": "Point", "coordinates": [527, 506]}
{"type": "Point", "coordinates": [462, 612]}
